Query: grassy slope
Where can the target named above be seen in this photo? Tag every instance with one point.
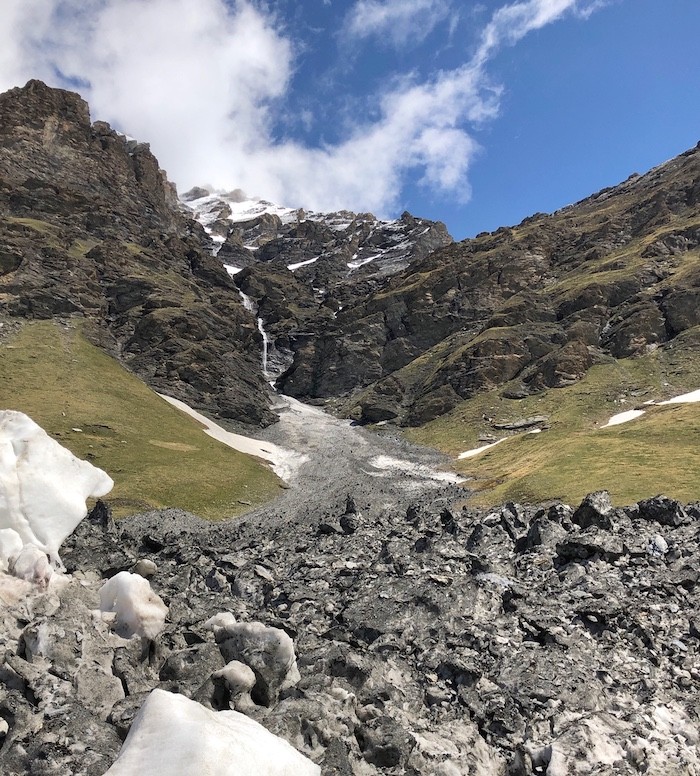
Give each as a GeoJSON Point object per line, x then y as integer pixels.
{"type": "Point", "coordinates": [157, 456]}
{"type": "Point", "coordinates": [659, 452]}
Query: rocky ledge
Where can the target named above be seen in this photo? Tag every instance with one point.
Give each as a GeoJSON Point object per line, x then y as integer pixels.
{"type": "Point", "coordinates": [521, 640]}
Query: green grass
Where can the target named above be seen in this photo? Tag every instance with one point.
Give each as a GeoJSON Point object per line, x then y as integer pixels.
{"type": "Point", "coordinates": [42, 227]}
{"type": "Point", "coordinates": [657, 453]}
{"type": "Point", "coordinates": [157, 456]}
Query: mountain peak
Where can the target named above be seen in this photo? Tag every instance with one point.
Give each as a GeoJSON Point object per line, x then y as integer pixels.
{"type": "Point", "coordinates": [36, 106]}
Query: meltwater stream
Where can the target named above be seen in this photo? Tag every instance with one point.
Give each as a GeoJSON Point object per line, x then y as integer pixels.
{"type": "Point", "coordinates": [250, 305]}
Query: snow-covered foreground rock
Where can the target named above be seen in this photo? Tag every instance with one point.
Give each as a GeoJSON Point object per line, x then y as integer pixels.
{"type": "Point", "coordinates": [179, 737]}
{"type": "Point", "coordinates": [43, 488]}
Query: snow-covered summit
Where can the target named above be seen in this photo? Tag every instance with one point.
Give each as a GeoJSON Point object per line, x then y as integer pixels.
{"type": "Point", "coordinates": [248, 231]}
{"type": "Point", "coordinates": [233, 207]}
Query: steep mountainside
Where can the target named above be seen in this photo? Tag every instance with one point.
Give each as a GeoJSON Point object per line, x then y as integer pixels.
{"type": "Point", "coordinates": [90, 228]}
{"type": "Point", "coordinates": [300, 267]}
{"type": "Point", "coordinates": [527, 308]}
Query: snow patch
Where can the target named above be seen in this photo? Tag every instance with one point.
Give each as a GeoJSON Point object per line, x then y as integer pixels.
{"type": "Point", "coordinates": [361, 262]}
{"type": "Point", "coordinates": [292, 267]}
{"type": "Point", "coordinates": [284, 462]}
{"type": "Point", "coordinates": [387, 462]}
{"type": "Point", "coordinates": [623, 417]}
{"type": "Point", "coordinates": [232, 270]}
{"type": "Point", "coordinates": [685, 398]}
{"type": "Point", "coordinates": [179, 737]}
{"type": "Point", "coordinates": [476, 450]}
{"type": "Point", "coordinates": [43, 486]}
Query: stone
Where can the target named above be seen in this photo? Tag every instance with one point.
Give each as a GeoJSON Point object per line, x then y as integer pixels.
{"type": "Point", "coordinates": [595, 510]}
{"type": "Point", "coordinates": [663, 510]}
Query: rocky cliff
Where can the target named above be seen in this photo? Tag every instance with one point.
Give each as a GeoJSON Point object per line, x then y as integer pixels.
{"type": "Point", "coordinates": [91, 228]}
{"type": "Point", "coordinates": [300, 268]}
{"type": "Point", "coordinates": [527, 308]}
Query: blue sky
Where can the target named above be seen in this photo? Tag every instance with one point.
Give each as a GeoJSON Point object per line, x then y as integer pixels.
{"type": "Point", "coordinates": [477, 114]}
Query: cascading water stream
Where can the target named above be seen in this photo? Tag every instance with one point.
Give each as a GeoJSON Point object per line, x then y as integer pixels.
{"type": "Point", "coordinates": [266, 342]}
{"type": "Point", "coordinates": [250, 305]}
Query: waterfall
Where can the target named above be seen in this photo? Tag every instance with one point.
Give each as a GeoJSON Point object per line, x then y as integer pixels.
{"type": "Point", "coordinates": [266, 341]}
{"type": "Point", "coordinates": [250, 305]}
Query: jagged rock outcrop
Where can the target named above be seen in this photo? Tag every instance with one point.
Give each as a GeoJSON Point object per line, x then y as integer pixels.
{"type": "Point", "coordinates": [430, 639]}
{"type": "Point", "coordinates": [91, 228]}
{"type": "Point", "coordinates": [528, 308]}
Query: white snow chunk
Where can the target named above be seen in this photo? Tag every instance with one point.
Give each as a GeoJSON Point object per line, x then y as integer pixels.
{"type": "Point", "coordinates": [140, 612]}
{"type": "Point", "coordinates": [176, 736]}
{"type": "Point", "coordinates": [238, 676]}
{"type": "Point", "coordinates": [476, 450]}
{"type": "Point", "coordinates": [10, 547]}
{"type": "Point", "coordinates": [623, 417]}
{"type": "Point", "coordinates": [43, 486]}
{"type": "Point", "coordinates": [685, 398]}
{"type": "Point", "coordinates": [232, 270]}
{"type": "Point", "coordinates": [32, 565]}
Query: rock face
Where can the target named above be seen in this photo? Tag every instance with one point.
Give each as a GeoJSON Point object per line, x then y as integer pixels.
{"type": "Point", "coordinates": [525, 308]}
{"type": "Point", "coordinates": [431, 640]}
{"type": "Point", "coordinates": [301, 267]}
{"type": "Point", "coordinates": [91, 228]}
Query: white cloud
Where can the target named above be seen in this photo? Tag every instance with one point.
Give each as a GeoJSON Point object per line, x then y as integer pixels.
{"type": "Point", "coordinates": [512, 22]}
{"type": "Point", "coordinates": [203, 82]}
{"type": "Point", "coordinates": [395, 21]}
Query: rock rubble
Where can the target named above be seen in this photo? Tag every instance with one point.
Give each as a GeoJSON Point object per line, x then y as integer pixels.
{"type": "Point", "coordinates": [430, 640]}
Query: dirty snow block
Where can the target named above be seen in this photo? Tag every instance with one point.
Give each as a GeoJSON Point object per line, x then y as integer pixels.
{"type": "Point", "coordinates": [43, 486]}
{"type": "Point", "coordinates": [140, 612]}
{"type": "Point", "coordinates": [179, 737]}
{"type": "Point", "coordinates": [32, 565]}
{"type": "Point", "coordinates": [269, 652]}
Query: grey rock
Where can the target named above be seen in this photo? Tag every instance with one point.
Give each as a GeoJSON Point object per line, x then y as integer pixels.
{"type": "Point", "coordinates": [595, 510]}
{"type": "Point", "coordinates": [663, 510]}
